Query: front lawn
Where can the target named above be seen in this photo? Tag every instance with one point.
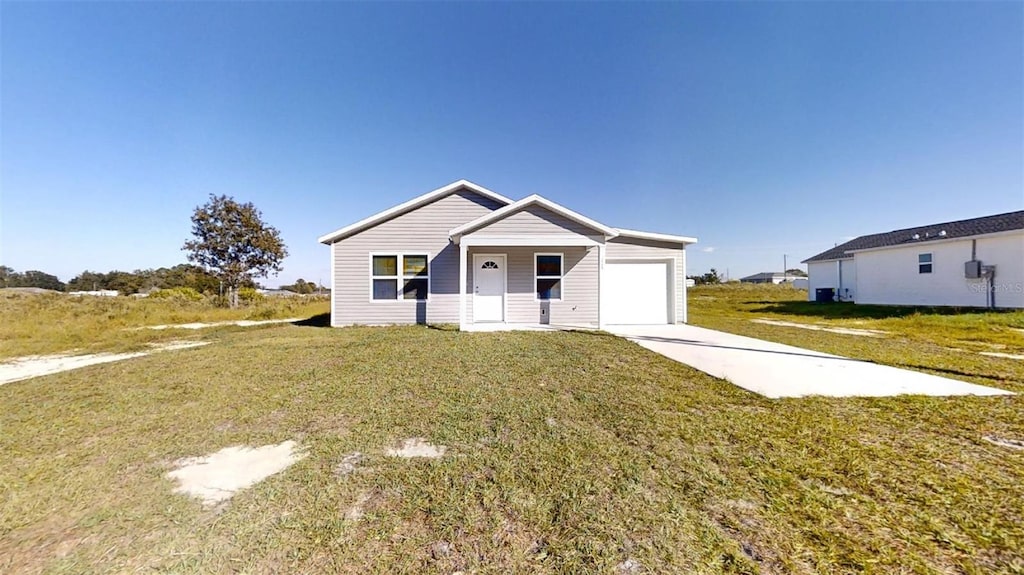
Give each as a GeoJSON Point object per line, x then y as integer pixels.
{"type": "Point", "coordinates": [568, 453]}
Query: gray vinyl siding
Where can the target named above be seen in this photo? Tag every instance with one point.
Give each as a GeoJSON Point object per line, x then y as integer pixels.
{"type": "Point", "coordinates": [634, 248]}
{"type": "Point", "coordinates": [424, 230]}
{"type": "Point", "coordinates": [580, 268]}
{"type": "Point", "coordinates": [537, 221]}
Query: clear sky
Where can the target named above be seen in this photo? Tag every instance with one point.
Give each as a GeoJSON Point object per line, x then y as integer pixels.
{"type": "Point", "coordinates": [762, 128]}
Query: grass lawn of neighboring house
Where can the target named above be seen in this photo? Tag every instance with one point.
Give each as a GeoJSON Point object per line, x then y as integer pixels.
{"type": "Point", "coordinates": [567, 453]}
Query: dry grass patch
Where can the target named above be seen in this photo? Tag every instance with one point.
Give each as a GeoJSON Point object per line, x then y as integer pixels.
{"type": "Point", "coordinates": [36, 324]}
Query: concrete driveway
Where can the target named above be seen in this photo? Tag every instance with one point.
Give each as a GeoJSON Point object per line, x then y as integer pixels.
{"type": "Point", "coordinates": [776, 370]}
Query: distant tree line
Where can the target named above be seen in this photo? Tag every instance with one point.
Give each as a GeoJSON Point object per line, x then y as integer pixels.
{"type": "Point", "coordinates": [182, 275]}
{"type": "Point", "coordinates": [31, 278]}
{"type": "Point", "coordinates": [142, 281]}
{"type": "Point", "coordinates": [303, 287]}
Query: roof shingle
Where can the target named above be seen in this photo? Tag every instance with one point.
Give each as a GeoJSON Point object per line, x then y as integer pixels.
{"type": "Point", "coordinates": [944, 231]}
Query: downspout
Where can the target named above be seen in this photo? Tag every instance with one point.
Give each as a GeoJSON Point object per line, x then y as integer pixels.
{"type": "Point", "coordinates": [839, 291]}
{"type": "Point", "coordinates": [992, 285]}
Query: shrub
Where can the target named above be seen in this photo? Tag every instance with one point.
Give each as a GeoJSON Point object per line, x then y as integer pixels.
{"type": "Point", "coordinates": [177, 293]}
{"type": "Point", "coordinates": [249, 295]}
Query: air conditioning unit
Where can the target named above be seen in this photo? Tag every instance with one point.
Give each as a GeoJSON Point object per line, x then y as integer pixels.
{"type": "Point", "coordinates": [972, 269]}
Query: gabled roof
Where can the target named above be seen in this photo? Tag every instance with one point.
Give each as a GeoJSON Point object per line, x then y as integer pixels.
{"type": "Point", "coordinates": [524, 203]}
{"type": "Point", "coordinates": [410, 206]}
{"type": "Point", "coordinates": [946, 231]}
{"type": "Point", "coordinates": [655, 236]}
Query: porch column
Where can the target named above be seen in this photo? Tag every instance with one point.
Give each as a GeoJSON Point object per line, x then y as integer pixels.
{"type": "Point", "coordinates": [685, 317]}
{"type": "Point", "coordinates": [600, 286]}
{"type": "Point", "coordinates": [462, 286]}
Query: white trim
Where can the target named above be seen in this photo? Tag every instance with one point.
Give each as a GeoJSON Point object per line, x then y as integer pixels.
{"type": "Point", "coordinates": [655, 236]}
{"type": "Point", "coordinates": [548, 240]}
{"type": "Point", "coordinates": [600, 286]}
{"type": "Point", "coordinates": [686, 305]}
{"type": "Point", "coordinates": [462, 287]}
{"type": "Point", "coordinates": [409, 206]}
{"type": "Point", "coordinates": [400, 263]}
{"type": "Point", "coordinates": [524, 203]}
{"type": "Point", "coordinates": [334, 292]}
{"type": "Point", "coordinates": [561, 276]}
{"type": "Point", "coordinates": [504, 288]}
{"type": "Point", "coordinates": [670, 262]}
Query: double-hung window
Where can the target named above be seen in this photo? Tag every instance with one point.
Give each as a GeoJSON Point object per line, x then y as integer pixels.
{"type": "Point", "coordinates": [399, 276]}
{"type": "Point", "coordinates": [924, 263]}
{"type": "Point", "coordinates": [548, 275]}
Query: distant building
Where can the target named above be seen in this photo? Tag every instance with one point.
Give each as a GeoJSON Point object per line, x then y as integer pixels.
{"type": "Point", "coordinates": [99, 293]}
{"type": "Point", "coordinates": [770, 278]}
{"type": "Point", "coordinates": [971, 263]}
{"type": "Point", "coordinates": [277, 293]}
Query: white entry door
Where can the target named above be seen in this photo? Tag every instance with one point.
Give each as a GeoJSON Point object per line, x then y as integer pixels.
{"type": "Point", "coordinates": [488, 288]}
{"type": "Point", "coordinates": [636, 293]}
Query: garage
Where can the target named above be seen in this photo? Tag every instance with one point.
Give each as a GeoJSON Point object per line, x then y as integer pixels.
{"type": "Point", "coordinates": [636, 292]}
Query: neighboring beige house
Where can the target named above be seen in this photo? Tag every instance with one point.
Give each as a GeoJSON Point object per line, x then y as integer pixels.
{"type": "Point", "coordinates": [464, 254]}
{"type": "Point", "coordinates": [977, 262]}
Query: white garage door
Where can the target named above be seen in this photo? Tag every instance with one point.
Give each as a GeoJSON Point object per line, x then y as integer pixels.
{"type": "Point", "coordinates": [636, 293]}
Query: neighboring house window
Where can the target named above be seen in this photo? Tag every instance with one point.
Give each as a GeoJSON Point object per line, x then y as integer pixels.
{"type": "Point", "coordinates": [400, 277]}
{"type": "Point", "coordinates": [924, 263]}
{"type": "Point", "coordinates": [548, 271]}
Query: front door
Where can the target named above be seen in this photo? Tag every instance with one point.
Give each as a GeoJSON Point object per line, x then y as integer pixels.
{"type": "Point", "coordinates": [488, 287]}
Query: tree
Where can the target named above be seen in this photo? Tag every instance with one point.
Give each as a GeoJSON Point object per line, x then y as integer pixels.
{"type": "Point", "coordinates": [301, 286]}
{"type": "Point", "coordinates": [711, 277]}
{"type": "Point", "coordinates": [31, 278]}
{"type": "Point", "coordinates": [796, 272]}
{"type": "Point", "coordinates": [233, 242]}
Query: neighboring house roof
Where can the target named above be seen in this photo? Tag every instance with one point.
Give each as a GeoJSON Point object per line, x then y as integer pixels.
{"type": "Point", "coordinates": [656, 237]}
{"type": "Point", "coordinates": [945, 231]}
{"type": "Point", "coordinates": [524, 203]}
{"type": "Point", "coordinates": [410, 206]}
{"type": "Point", "coordinates": [766, 276]}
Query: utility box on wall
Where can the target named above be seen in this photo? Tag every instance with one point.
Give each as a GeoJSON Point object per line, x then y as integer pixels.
{"type": "Point", "coordinates": [545, 312]}
{"type": "Point", "coordinates": [972, 269]}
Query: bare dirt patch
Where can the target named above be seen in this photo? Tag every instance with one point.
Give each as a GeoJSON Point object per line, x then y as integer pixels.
{"type": "Point", "coordinates": [840, 330]}
{"type": "Point", "coordinates": [239, 323]}
{"type": "Point", "coordinates": [30, 366]}
{"type": "Point", "coordinates": [1006, 355]}
{"type": "Point", "coordinates": [417, 447]}
{"type": "Point", "coordinates": [217, 477]}
{"type": "Point", "coordinates": [1003, 442]}
{"type": "Point", "coordinates": [348, 464]}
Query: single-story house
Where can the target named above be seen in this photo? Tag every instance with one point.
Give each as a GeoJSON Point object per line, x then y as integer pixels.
{"type": "Point", "coordinates": [464, 254]}
{"type": "Point", "coordinates": [770, 278]}
{"type": "Point", "coordinates": [971, 263]}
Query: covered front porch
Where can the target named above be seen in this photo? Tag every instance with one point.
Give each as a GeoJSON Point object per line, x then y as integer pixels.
{"type": "Point", "coordinates": [540, 285]}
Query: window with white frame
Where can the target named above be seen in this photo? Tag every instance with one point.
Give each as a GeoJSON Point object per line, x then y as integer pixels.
{"type": "Point", "coordinates": [924, 263]}
{"type": "Point", "coordinates": [547, 270]}
{"type": "Point", "coordinates": [399, 276]}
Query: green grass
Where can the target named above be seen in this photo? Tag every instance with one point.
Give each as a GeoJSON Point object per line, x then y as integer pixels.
{"type": "Point", "coordinates": [942, 341]}
{"type": "Point", "coordinates": [35, 324]}
{"type": "Point", "coordinates": [568, 453]}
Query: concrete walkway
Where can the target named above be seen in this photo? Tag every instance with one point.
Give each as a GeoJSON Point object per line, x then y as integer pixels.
{"type": "Point", "coordinates": [776, 370]}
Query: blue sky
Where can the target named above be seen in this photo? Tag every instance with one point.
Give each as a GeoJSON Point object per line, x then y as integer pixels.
{"type": "Point", "coordinates": [762, 128]}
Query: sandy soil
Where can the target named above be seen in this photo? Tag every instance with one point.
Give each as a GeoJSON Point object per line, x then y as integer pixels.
{"type": "Point", "coordinates": [30, 366]}
{"type": "Point", "coordinates": [240, 323]}
{"type": "Point", "coordinates": [998, 354]}
{"type": "Point", "coordinates": [217, 477]}
{"type": "Point", "coordinates": [417, 447]}
{"type": "Point", "coordinates": [842, 330]}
